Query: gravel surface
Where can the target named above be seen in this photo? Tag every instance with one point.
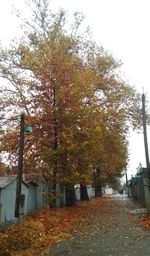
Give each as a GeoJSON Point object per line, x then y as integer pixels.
{"type": "Point", "coordinates": [112, 230]}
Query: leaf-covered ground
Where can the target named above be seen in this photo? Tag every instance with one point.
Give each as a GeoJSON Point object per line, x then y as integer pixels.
{"type": "Point", "coordinates": [42, 229]}
{"type": "Point", "coordinates": [102, 226]}
{"type": "Point", "coordinates": [145, 222]}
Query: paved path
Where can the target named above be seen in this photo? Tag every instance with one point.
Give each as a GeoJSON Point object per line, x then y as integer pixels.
{"type": "Point", "coordinates": [112, 231]}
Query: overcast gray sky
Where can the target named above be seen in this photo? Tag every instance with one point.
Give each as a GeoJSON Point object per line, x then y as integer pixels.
{"type": "Point", "coordinates": [122, 27]}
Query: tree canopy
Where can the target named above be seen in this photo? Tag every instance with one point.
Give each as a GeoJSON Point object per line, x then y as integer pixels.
{"type": "Point", "coordinates": [71, 94]}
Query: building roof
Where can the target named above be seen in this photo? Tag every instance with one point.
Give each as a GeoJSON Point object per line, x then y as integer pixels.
{"type": "Point", "coordinates": [34, 177]}
{"type": "Point", "coordinates": [5, 180]}
{"type": "Point", "coordinates": [31, 182]}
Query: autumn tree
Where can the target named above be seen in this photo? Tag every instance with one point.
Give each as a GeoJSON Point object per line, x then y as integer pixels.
{"type": "Point", "coordinates": [69, 90]}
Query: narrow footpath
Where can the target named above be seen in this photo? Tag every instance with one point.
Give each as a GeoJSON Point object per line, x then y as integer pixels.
{"type": "Point", "coordinates": [111, 230]}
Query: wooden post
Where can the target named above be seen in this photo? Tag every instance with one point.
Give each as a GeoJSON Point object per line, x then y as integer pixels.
{"type": "Point", "coordinates": [127, 185]}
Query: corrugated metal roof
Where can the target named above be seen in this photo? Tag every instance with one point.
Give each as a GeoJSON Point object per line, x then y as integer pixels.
{"type": "Point", "coordinates": [5, 180]}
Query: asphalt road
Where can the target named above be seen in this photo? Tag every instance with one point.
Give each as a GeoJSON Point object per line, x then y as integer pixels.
{"type": "Point", "coordinates": [112, 230]}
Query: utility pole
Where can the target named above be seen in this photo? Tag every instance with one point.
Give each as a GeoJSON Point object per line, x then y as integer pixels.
{"type": "Point", "coordinates": [127, 185]}
{"type": "Point", "coordinates": [145, 131]}
{"type": "Point", "coordinates": [20, 166]}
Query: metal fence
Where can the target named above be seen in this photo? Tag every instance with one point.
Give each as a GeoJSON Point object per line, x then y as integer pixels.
{"type": "Point", "coordinates": [136, 189]}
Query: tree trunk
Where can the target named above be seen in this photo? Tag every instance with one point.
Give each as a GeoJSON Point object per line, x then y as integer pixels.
{"type": "Point", "coordinates": [83, 192]}
{"type": "Point", "coordinates": [70, 196]}
{"type": "Point", "coordinates": [55, 147]}
{"type": "Point", "coordinates": [97, 183]}
{"type": "Point", "coordinates": [98, 190]}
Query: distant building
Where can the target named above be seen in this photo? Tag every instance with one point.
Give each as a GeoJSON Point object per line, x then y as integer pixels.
{"type": "Point", "coordinates": [108, 190]}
